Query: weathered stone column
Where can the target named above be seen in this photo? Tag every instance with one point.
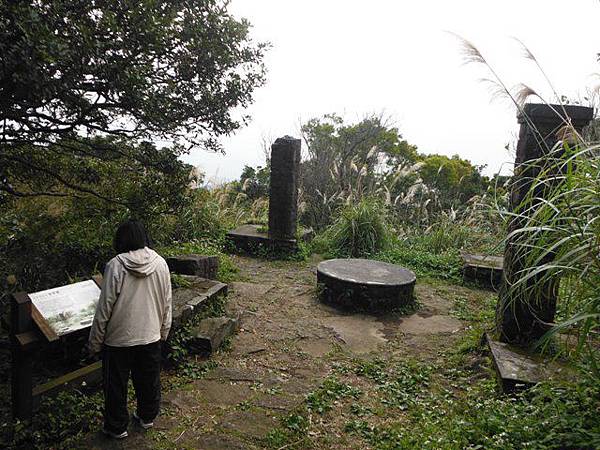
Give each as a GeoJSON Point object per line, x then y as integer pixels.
{"type": "Point", "coordinates": [522, 318]}
{"type": "Point", "coordinates": [283, 195]}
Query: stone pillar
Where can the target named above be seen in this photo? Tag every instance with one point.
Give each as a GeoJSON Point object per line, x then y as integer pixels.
{"type": "Point", "coordinates": [522, 318]}
{"type": "Point", "coordinates": [283, 194]}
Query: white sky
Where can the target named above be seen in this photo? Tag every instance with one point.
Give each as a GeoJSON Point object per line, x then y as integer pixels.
{"type": "Point", "coordinates": [356, 57]}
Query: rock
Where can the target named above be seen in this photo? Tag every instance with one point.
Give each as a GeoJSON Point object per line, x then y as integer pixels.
{"type": "Point", "coordinates": [202, 266]}
{"type": "Point", "coordinates": [210, 334]}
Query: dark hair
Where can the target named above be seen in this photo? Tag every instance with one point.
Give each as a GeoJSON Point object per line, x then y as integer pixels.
{"type": "Point", "coordinates": [130, 235]}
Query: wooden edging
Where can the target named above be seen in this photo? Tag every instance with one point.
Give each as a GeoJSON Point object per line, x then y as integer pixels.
{"type": "Point", "coordinates": [87, 374]}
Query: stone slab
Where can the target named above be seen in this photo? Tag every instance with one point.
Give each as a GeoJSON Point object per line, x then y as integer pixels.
{"type": "Point", "coordinates": [210, 334]}
{"type": "Point", "coordinates": [223, 395]}
{"type": "Point", "coordinates": [278, 402]}
{"type": "Point", "coordinates": [518, 370]}
{"type": "Point", "coordinates": [232, 374]}
{"type": "Point", "coordinates": [253, 240]}
{"type": "Point", "coordinates": [365, 284]}
{"type": "Point", "coordinates": [189, 300]}
{"type": "Point", "coordinates": [254, 423]}
{"type": "Point", "coordinates": [367, 271]}
{"type": "Point", "coordinates": [198, 265]}
{"type": "Point", "coordinates": [433, 324]}
{"type": "Point", "coordinates": [213, 441]}
{"type": "Point", "coordinates": [180, 399]}
{"type": "Point", "coordinates": [361, 333]}
{"type": "Point", "coordinates": [485, 270]}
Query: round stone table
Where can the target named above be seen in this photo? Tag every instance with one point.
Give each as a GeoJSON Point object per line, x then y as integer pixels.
{"type": "Point", "coordinates": [364, 284]}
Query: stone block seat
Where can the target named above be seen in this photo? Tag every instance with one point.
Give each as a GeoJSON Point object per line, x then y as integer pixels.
{"type": "Point", "coordinates": [197, 265]}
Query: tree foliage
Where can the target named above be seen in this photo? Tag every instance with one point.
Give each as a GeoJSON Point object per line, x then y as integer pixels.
{"type": "Point", "coordinates": [456, 179]}
{"type": "Point", "coordinates": [347, 162]}
{"type": "Point", "coordinates": [140, 70]}
{"type": "Point", "coordinates": [344, 161]}
{"type": "Point", "coordinates": [254, 182]}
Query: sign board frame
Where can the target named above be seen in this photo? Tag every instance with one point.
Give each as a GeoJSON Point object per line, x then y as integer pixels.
{"type": "Point", "coordinates": [30, 331]}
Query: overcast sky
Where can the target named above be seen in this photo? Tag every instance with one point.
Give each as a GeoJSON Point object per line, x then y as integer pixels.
{"type": "Point", "coordinates": [396, 57]}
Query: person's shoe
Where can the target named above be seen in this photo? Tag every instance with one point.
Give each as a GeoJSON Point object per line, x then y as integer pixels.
{"type": "Point", "coordinates": [122, 435]}
{"type": "Point", "coordinates": [144, 425]}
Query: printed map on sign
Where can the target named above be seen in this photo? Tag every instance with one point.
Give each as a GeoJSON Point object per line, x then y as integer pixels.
{"type": "Point", "coordinates": [68, 308]}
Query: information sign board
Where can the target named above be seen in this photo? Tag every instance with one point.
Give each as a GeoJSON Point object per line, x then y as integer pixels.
{"type": "Point", "coordinates": [68, 308]}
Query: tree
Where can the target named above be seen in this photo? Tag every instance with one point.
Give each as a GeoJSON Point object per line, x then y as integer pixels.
{"type": "Point", "coordinates": [346, 161]}
{"type": "Point", "coordinates": [254, 182]}
{"type": "Point", "coordinates": [137, 70]}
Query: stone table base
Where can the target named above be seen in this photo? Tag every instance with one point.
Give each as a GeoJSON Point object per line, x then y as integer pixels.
{"type": "Point", "coordinates": [363, 284]}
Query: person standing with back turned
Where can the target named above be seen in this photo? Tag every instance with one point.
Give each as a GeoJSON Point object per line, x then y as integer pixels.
{"type": "Point", "coordinates": [133, 316]}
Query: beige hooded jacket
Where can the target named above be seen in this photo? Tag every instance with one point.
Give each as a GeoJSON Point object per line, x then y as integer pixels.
{"type": "Point", "coordinates": [135, 301]}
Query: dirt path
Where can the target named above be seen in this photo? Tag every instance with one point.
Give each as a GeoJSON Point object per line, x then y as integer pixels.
{"type": "Point", "coordinates": [287, 345]}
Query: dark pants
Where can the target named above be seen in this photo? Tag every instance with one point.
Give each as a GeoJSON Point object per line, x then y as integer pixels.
{"type": "Point", "coordinates": [143, 361]}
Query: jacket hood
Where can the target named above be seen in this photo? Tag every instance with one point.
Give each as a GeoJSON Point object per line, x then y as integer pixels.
{"type": "Point", "coordinates": [140, 263]}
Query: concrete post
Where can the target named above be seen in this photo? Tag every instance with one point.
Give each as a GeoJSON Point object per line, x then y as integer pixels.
{"type": "Point", "coordinates": [283, 195]}
{"type": "Point", "coordinates": [523, 320]}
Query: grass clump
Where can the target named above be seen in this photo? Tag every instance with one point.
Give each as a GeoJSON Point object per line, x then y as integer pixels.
{"type": "Point", "coordinates": [556, 242]}
{"type": "Point", "coordinates": [446, 265]}
{"type": "Point", "coordinates": [361, 230]}
{"type": "Point", "coordinates": [400, 385]}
